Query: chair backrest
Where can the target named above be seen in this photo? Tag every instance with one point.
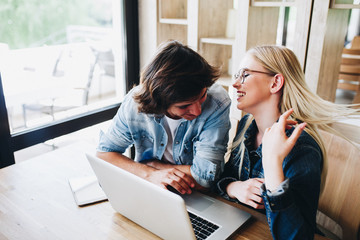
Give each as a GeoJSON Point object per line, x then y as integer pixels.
{"type": "Point", "coordinates": [355, 43]}
{"type": "Point", "coordinates": [106, 62]}
{"type": "Point", "coordinates": [87, 87]}
{"type": "Point", "coordinates": [349, 76]}
{"type": "Point", "coordinates": [340, 199]}
{"type": "Point", "coordinates": [104, 58]}
{"type": "Point", "coordinates": [351, 51]}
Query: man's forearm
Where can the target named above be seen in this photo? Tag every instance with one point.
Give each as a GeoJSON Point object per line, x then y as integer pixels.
{"type": "Point", "coordinates": [126, 163]}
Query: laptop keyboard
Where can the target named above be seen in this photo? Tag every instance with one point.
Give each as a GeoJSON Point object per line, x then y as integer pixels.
{"type": "Point", "coordinates": [202, 228]}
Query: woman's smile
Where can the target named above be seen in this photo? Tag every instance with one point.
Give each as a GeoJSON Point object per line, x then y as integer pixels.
{"type": "Point", "coordinates": [241, 94]}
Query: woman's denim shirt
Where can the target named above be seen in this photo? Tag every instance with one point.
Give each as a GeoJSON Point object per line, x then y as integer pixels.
{"type": "Point", "coordinates": [201, 142]}
{"type": "Point", "coordinates": [291, 212]}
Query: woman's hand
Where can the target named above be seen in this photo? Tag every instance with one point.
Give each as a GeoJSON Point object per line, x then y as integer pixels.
{"type": "Point", "coordinates": [247, 192]}
{"type": "Point", "coordinates": [276, 146]}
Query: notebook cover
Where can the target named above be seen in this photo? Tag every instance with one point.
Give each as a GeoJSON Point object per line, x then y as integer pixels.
{"type": "Point", "coordinates": [86, 190]}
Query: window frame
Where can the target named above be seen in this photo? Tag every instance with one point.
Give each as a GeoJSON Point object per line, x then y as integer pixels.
{"type": "Point", "coordinates": [9, 143]}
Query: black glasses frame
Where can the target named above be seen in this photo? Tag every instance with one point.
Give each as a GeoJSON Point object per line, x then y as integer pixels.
{"type": "Point", "coordinates": [241, 74]}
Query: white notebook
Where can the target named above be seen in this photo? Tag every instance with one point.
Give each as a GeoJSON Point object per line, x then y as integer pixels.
{"type": "Point", "coordinates": [86, 190]}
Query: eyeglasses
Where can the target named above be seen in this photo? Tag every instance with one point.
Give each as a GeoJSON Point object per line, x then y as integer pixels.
{"type": "Point", "coordinates": [241, 74]}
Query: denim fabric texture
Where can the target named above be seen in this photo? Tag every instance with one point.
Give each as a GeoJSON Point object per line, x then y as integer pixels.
{"type": "Point", "coordinates": [291, 212]}
{"type": "Point", "coordinates": [201, 142]}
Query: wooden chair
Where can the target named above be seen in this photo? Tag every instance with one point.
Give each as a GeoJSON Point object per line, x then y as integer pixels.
{"type": "Point", "coordinates": [355, 43]}
{"type": "Point", "coordinates": [349, 76]}
{"type": "Point", "coordinates": [340, 199]}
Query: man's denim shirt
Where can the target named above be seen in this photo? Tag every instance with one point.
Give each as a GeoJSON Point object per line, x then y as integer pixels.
{"type": "Point", "coordinates": [201, 142]}
{"type": "Point", "coordinates": [291, 212]}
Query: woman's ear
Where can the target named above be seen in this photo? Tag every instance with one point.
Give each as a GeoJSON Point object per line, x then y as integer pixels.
{"type": "Point", "coordinates": [277, 84]}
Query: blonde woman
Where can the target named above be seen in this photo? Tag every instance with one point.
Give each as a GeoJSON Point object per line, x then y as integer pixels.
{"type": "Point", "coordinates": [275, 167]}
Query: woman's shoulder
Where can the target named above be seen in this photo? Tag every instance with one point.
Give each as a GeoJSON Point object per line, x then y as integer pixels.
{"type": "Point", "coordinates": [306, 139]}
{"type": "Point", "coordinates": [306, 148]}
{"type": "Point", "coordinates": [246, 123]}
{"type": "Point", "coordinates": [243, 121]}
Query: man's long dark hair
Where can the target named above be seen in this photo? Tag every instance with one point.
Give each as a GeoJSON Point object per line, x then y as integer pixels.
{"type": "Point", "coordinates": [176, 74]}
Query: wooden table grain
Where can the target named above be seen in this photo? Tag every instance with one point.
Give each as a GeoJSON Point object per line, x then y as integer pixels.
{"type": "Point", "coordinates": [36, 203]}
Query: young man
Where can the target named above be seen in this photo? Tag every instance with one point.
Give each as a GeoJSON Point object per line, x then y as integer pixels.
{"type": "Point", "coordinates": [177, 119]}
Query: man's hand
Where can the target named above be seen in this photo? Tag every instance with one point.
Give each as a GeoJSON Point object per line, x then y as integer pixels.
{"type": "Point", "coordinates": [171, 177]}
{"type": "Point", "coordinates": [247, 192]}
{"type": "Point", "coordinates": [157, 172]}
{"type": "Point", "coordinates": [183, 168]}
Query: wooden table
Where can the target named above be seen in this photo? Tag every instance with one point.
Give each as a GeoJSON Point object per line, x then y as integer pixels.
{"type": "Point", "coordinates": [36, 203]}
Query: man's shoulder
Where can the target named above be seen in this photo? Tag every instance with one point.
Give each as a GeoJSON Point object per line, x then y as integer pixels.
{"type": "Point", "coordinates": [218, 95]}
{"type": "Point", "coordinates": [218, 91]}
{"type": "Point", "coordinates": [129, 107]}
{"type": "Point", "coordinates": [128, 100]}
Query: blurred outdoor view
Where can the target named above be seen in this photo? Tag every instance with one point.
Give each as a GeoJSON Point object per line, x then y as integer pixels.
{"type": "Point", "coordinates": [59, 58]}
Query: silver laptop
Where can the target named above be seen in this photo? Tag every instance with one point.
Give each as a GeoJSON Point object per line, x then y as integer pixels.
{"type": "Point", "coordinates": [163, 212]}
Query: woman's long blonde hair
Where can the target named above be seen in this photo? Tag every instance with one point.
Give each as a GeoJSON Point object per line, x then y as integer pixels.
{"type": "Point", "coordinates": [308, 107]}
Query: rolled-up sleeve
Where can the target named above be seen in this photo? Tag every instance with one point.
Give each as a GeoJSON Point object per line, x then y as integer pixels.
{"type": "Point", "coordinates": [295, 205]}
{"type": "Point", "coordinates": [117, 138]}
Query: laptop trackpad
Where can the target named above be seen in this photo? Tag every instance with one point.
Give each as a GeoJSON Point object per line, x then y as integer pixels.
{"type": "Point", "coordinates": [197, 201]}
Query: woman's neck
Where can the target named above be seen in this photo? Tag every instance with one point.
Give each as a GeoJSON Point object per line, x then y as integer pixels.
{"type": "Point", "coordinates": [265, 119]}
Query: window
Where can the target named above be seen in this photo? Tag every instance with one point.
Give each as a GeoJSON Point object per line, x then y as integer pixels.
{"type": "Point", "coordinates": [61, 61]}
{"type": "Point", "coordinates": [65, 68]}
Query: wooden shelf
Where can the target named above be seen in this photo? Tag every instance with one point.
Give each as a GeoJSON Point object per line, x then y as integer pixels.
{"type": "Point", "coordinates": [175, 21]}
{"type": "Point", "coordinates": [344, 6]}
{"type": "Point", "coordinates": [255, 3]}
{"type": "Point", "coordinates": [204, 26]}
{"type": "Point", "coordinates": [221, 41]}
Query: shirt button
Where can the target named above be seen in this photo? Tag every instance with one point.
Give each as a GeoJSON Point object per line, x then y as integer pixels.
{"type": "Point", "coordinates": [162, 144]}
{"type": "Point", "coordinates": [177, 142]}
